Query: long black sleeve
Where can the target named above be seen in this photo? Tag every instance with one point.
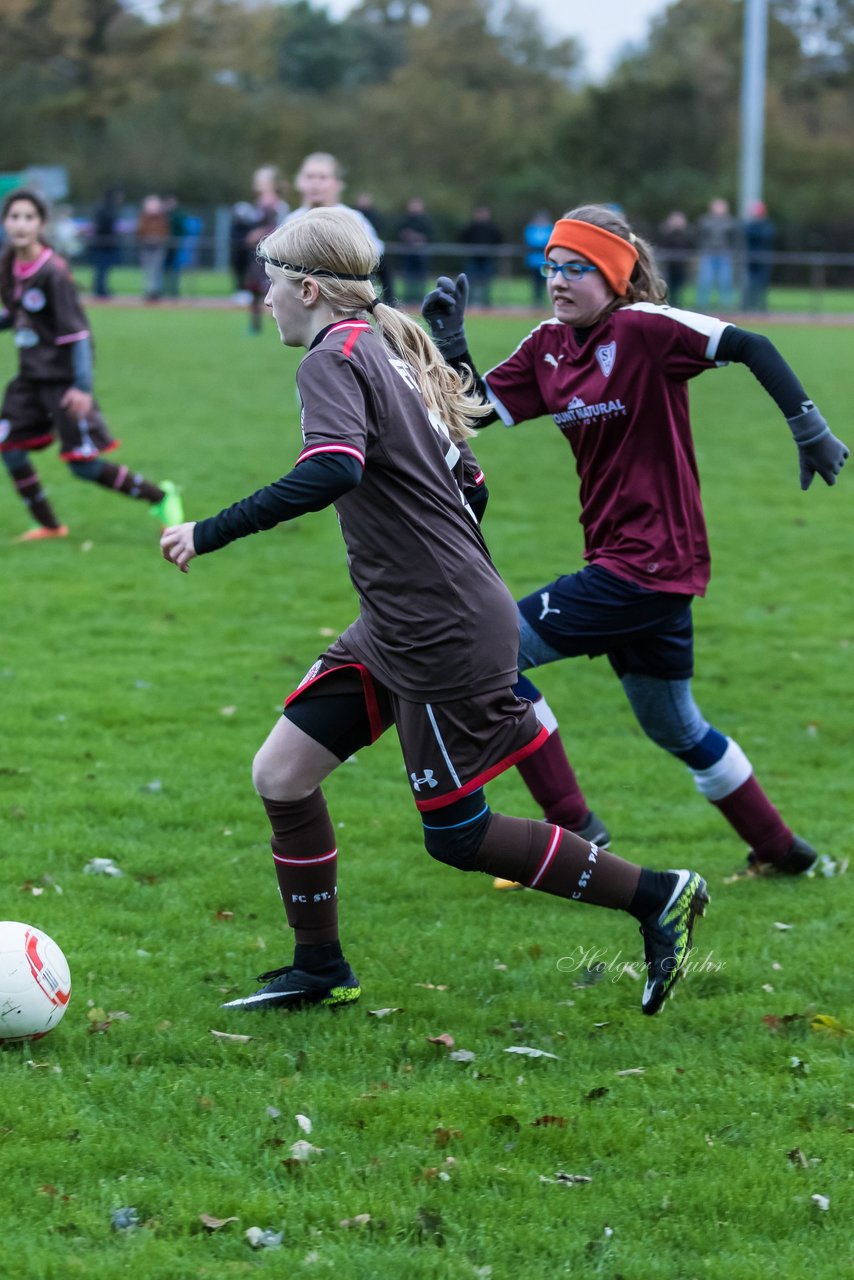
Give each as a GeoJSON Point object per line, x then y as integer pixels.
{"type": "Point", "coordinates": [766, 364]}
{"type": "Point", "coordinates": [465, 367]}
{"type": "Point", "coordinates": [312, 485]}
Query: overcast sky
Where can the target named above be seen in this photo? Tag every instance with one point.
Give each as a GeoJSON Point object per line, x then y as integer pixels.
{"type": "Point", "coordinates": [602, 26]}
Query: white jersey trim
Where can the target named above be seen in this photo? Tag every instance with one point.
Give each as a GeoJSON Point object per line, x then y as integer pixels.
{"type": "Point", "coordinates": [502, 410]}
{"type": "Point", "coordinates": [710, 326]}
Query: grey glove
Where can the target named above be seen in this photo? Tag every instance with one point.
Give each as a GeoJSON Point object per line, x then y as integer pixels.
{"type": "Point", "coordinates": [819, 451]}
{"type": "Point", "coordinates": [444, 309]}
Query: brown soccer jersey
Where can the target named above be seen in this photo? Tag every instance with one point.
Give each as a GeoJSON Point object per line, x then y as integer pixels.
{"type": "Point", "coordinates": [436, 620]}
{"type": "Point", "coordinates": [47, 317]}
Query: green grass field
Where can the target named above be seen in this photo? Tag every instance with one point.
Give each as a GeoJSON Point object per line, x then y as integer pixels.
{"type": "Point", "coordinates": [132, 699]}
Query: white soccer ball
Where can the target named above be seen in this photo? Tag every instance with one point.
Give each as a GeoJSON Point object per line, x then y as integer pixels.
{"type": "Point", "coordinates": [35, 982]}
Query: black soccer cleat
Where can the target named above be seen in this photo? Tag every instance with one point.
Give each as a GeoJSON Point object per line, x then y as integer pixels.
{"type": "Point", "coordinates": [797, 861]}
{"type": "Point", "coordinates": [667, 937]}
{"type": "Point", "coordinates": [595, 831]}
{"type": "Point", "coordinates": [290, 988]}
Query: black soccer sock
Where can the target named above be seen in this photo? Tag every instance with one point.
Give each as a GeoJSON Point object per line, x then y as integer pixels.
{"type": "Point", "coordinates": [26, 480]}
{"type": "Point", "coordinates": [654, 888]}
{"type": "Point", "coordinates": [122, 480]}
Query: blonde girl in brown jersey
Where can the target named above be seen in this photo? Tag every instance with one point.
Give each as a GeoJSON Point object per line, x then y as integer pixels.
{"type": "Point", "coordinates": [433, 650]}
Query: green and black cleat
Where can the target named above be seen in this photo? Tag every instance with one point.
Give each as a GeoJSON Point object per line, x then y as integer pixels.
{"type": "Point", "coordinates": [667, 937]}
{"type": "Point", "coordinates": [290, 988]}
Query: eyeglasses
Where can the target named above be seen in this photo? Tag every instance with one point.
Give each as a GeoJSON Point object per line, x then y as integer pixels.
{"type": "Point", "coordinates": [569, 270]}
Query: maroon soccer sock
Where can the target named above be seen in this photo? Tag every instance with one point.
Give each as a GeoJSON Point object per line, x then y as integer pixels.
{"type": "Point", "coordinates": [26, 481]}
{"type": "Point", "coordinates": [306, 862]}
{"type": "Point", "coordinates": [752, 815]}
{"type": "Point", "coordinates": [549, 777]}
{"type": "Point", "coordinates": [555, 861]}
{"type": "Point", "coordinates": [123, 480]}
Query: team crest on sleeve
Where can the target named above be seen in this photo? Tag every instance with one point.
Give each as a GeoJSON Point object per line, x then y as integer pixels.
{"type": "Point", "coordinates": [606, 355]}
{"type": "Point", "coordinates": [33, 300]}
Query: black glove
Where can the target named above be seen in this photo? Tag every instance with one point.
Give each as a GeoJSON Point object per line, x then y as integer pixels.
{"type": "Point", "coordinates": [819, 451]}
{"type": "Point", "coordinates": [444, 309]}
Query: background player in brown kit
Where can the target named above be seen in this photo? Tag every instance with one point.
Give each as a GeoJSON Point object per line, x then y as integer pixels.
{"type": "Point", "coordinates": [433, 649]}
{"type": "Point", "coordinates": [52, 394]}
{"type": "Point", "coordinates": [612, 368]}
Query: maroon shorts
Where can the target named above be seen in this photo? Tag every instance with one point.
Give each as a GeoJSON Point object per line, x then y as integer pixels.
{"type": "Point", "coordinates": [449, 748]}
{"type": "Point", "coordinates": [32, 417]}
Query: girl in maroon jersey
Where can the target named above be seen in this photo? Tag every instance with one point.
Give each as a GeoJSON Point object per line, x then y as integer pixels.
{"type": "Point", "coordinates": [52, 394]}
{"type": "Point", "coordinates": [612, 368]}
{"type": "Point", "coordinates": [433, 650]}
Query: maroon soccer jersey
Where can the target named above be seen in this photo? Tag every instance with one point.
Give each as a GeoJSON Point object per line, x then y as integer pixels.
{"type": "Point", "coordinates": [436, 620]}
{"type": "Point", "coordinates": [47, 317]}
{"type": "Point", "coordinates": [618, 394]}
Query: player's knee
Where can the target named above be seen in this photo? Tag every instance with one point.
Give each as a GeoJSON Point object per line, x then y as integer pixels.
{"type": "Point", "coordinates": [15, 460]}
{"type": "Point", "coordinates": [276, 777]}
{"type": "Point", "coordinates": [457, 844]}
{"type": "Point", "coordinates": [86, 468]}
{"type": "Point", "coordinates": [666, 711]}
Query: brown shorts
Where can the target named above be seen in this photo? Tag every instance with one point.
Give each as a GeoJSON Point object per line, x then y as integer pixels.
{"type": "Point", "coordinates": [32, 417]}
{"type": "Point", "coordinates": [449, 748]}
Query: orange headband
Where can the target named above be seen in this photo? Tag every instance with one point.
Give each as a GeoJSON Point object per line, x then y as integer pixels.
{"type": "Point", "coordinates": [614, 256]}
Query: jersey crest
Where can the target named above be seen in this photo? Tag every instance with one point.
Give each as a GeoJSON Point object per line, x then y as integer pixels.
{"type": "Point", "coordinates": [606, 355]}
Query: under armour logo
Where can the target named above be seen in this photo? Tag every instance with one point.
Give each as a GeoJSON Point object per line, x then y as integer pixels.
{"type": "Point", "coordinates": [544, 596]}
{"type": "Point", "coordinates": [428, 778]}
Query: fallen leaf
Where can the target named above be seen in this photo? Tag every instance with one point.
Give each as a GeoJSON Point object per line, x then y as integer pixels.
{"type": "Point", "coordinates": [382, 1013]}
{"type": "Point", "coordinates": [227, 1035]}
{"type": "Point", "coordinates": [445, 1039]}
{"type": "Point", "coordinates": [124, 1219]}
{"type": "Point", "coordinates": [268, 1239]}
{"type": "Point", "coordinates": [778, 924]}
{"type": "Point", "coordinates": [102, 867]}
{"type": "Point", "coordinates": [444, 1136]}
{"type": "Point", "coordinates": [632, 1071]}
{"type": "Point", "coordinates": [543, 1122]}
{"type": "Point", "coordinates": [227, 711]}
{"type": "Point", "coordinates": [431, 986]}
{"type": "Point", "coordinates": [797, 1157]}
{"type": "Point", "coordinates": [462, 1055]}
{"type": "Point", "coordinates": [214, 1224]}
{"type": "Point", "coordinates": [821, 1203]}
{"type": "Point", "coordinates": [360, 1220]}
{"type": "Point", "coordinates": [304, 1151]}
{"type": "Point", "coordinates": [832, 1026]}
{"type": "Point", "coordinates": [527, 1052]}
{"type": "Point", "coordinates": [572, 1179]}
{"type": "Point", "coordinates": [304, 1123]}
{"type": "Point", "coordinates": [596, 1093]}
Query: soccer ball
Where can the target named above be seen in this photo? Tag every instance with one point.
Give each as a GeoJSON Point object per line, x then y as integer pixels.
{"type": "Point", "coordinates": [35, 982]}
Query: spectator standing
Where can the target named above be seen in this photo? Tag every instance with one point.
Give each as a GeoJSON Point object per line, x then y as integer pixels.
{"type": "Point", "coordinates": [320, 182]}
{"type": "Point", "coordinates": [676, 239]}
{"type": "Point", "coordinates": [536, 237]}
{"type": "Point", "coordinates": [717, 237]}
{"type": "Point", "coordinates": [415, 231]}
{"type": "Point", "coordinates": [104, 246]}
{"type": "Point", "coordinates": [481, 235]}
{"type": "Point", "coordinates": [174, 260]}
{"type": "Point", "coordinates": [759, 237]}
{"type": "Point", "coordinates": [152, 233]}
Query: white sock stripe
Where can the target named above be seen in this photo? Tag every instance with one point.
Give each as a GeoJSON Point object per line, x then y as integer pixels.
{"type": "Point", "coordinates": [548, 859]}
{"type": "Point", "coordinates": [726, 775]}
{"type": "Point", "coordinates": [545, 715]}
{"type": "Point", "coordinates": [305, 862]}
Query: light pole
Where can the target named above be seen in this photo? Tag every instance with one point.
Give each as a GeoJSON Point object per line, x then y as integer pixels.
{"type": "Point", "coordinates": [753, 103]}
